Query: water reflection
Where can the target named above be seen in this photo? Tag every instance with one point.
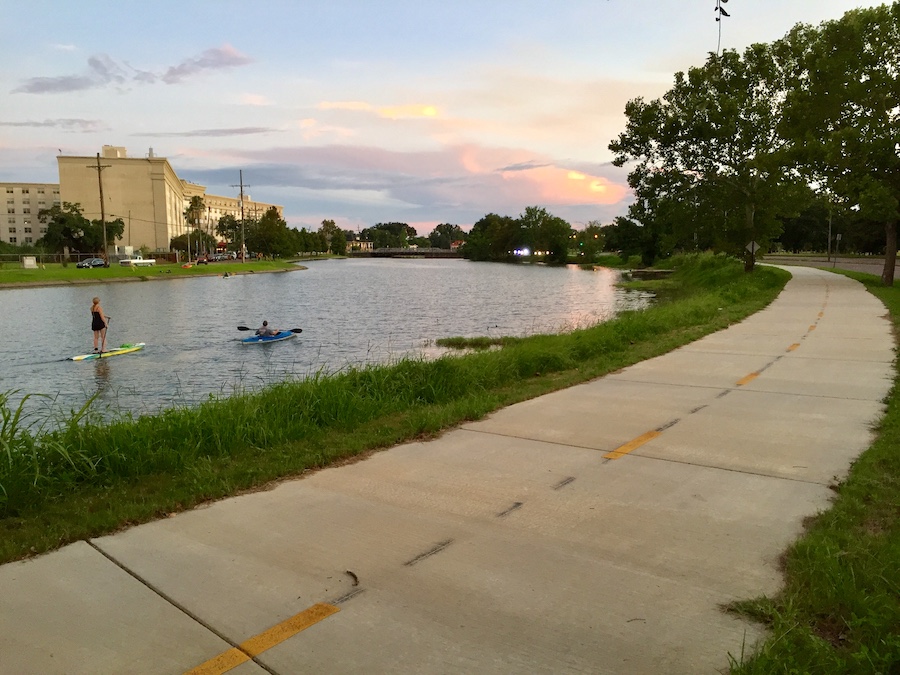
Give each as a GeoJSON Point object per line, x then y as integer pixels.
{"type": "Point", "coordinates": [101, 375]}
{"type": "Point", "coordinates": [352, 312]}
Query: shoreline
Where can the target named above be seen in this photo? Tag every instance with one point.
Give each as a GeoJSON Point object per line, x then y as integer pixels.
{"type": "Point", "coordinates": [160, 276]}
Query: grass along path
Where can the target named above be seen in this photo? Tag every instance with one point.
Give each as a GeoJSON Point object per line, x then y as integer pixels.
{"type": "Point", "coordinates": [87, 479]}
{"type": "Point", "coordinates": [839, 611]}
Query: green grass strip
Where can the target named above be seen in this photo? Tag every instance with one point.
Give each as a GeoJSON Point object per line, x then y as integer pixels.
{"type": "Point", "coordinates": [88, 478]}
{"type": "Point", "coordinates": [839, 611]}
{"type": "Point", "coordinates": [57, 273]}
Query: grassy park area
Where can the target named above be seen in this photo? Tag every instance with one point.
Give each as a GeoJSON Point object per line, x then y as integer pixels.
{"type": "Point", "coordinates": [58, 273]}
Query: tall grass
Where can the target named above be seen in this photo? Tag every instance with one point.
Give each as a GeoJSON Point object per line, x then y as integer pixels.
{"type": "Point", "coordinates": [89, 477]}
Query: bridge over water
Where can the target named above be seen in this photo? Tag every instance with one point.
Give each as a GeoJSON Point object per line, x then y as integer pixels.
{"type": "Point", "coordinates": [406, 253]}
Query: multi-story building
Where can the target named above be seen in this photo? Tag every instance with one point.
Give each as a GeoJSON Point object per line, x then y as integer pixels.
{"type": "Point", "coordinates": [23, 203]}
{"type": "Point", "coordinates": [146, 194]}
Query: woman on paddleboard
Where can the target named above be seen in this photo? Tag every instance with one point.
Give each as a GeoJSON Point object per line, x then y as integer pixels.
{"type": "Point", "coordinates": [99, 322]}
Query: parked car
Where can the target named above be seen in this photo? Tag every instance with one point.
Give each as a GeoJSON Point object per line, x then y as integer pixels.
{"type": "Point", "coordinates": [92, 262]}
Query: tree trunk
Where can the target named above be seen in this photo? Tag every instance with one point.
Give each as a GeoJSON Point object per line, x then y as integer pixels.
{"type": "Point", "coordinates": [890, 253]}
{"type": "Point", "coordinates": [750, 258]}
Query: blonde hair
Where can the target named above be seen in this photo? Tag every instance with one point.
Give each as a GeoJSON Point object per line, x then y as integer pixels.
{"type": "Point", "coordinates": [96, 301]}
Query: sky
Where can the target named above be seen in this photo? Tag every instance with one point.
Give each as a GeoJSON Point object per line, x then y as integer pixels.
{"type": "Point", "coordinates": [363, 112]}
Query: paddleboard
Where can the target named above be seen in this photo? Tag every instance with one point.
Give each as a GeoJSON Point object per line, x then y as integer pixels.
{"type": "Point", "coordinates": [258, 340]}
{"type": "Point", "coordinates": [115, 351]}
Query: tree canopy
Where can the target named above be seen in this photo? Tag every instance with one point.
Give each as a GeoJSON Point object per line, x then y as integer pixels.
{"type": "Point", "coordinates": [68, 229]}
{"type": "Point", "coordinates": [709, 150]}
{"type": "Point", "coordinates": [842, 113]}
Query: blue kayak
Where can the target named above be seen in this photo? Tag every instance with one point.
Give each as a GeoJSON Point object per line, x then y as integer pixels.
{"type": "Point", "coordinates": [257, 339]}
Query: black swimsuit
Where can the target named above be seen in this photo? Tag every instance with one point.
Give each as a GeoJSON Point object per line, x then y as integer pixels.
{"type": "Point", "coordinates": [97, 321]}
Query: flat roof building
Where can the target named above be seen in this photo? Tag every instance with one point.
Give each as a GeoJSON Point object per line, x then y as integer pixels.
{"type": "Point", "coordinates": [146, 193]}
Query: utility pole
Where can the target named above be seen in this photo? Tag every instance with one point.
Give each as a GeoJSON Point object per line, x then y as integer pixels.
{"type": "Point", "coordinates": [99, 169]}
{"type": "Point", "coordinates": [243, 246]}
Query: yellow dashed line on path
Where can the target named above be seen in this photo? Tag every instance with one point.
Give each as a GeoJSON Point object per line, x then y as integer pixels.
{"type": "Point", "coordinates": [631, 445]}
{"type": "Point", "coordinates": [265, 640]}
{"type": "Point", "coordinates": [813, 327]}
{"type": "Point", "coordinates": [793, 346]}
{"type": "Point", "coordinates": [746, 380]}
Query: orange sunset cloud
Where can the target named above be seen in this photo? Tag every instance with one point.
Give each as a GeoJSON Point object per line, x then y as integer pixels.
{"type": "Point", "coordinates": [555, 185]}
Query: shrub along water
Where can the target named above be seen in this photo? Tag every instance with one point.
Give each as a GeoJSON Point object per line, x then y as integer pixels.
{"type": "Point", "coordinates": [88, 478]}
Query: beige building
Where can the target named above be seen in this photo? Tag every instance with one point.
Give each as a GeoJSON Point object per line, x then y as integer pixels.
{"type": "Point", "coordinates": [146, 194]}
{"type": "Point", "coordinates": [23, 203]}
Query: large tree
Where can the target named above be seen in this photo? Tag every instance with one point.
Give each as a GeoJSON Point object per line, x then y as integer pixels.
{"type": "Point", "coordinates": [547, 233]}
{"type": "Point", "coordinates": [389, 235]}
{"type": "Point", "coordinates": [843, 112]}
{"type": "Point", "coordinates": [494, 238]}
{"type": "Point", "coordinates": [229, 228]}
{"type": "Point", "coordinates": [444, 234]}
{"type": "Point", "coordinates": [68, 229]}
{"type": "Point", "coordinates": [269, 235]}
{"type": "Point", "coordinates": [709, 148]}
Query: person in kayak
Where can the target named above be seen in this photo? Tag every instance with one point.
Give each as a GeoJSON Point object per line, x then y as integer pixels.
{"type": "Point", "coordinates": [99, 323]}
{"type": "Point", "coordinates": [265, 331]}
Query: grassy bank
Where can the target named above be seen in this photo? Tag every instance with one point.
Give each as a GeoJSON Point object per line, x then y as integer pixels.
{"type": "Point", "coordinates": [56, 273]}
{"type": "Point", "coordinates": [840, 609]}
{"type": "Point", "coordinates": [86, 478]}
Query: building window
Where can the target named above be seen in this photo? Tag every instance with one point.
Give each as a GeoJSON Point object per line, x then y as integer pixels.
{"type": "Point", "coordinates": [9, 191]}
{"type": "Point", "coordinates": [12, 240]}
{"type": "Point", "coordinates": [27, 240]}
{"type": "Point", "coordinates": [56, 192]}
{"type": "Point", "coordinates": [40, 191]}
{"type": "Point", "coordinates": [24, 191]}
{"type": "Point", "coordinates": [42, 203]}
{"type": "Point", "coordinates": [11, 221]}
{"type": "Point", "coordinates": [42, 230]}
{"type": "Point", "coordinates": [10, 210]}
{"type": "Point", "coordinates": [10, 201]}
{"type": "Point", "coordinates": [12, 230]}
{"type": "Point", "coordinates": [27, 230]}
{"type": "Point", "coordinates": [26, 210]}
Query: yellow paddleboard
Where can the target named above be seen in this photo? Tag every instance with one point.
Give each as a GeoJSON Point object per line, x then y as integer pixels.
{"type": "Point", "coordinates": [116, 351]}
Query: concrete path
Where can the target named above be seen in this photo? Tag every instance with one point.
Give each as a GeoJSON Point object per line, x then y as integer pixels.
{"type": "Point", "coordinates": [594, 530]}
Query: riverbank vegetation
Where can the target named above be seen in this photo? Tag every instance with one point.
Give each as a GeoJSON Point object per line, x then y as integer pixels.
{"type": "Point", "coordinates": [87, 478]}
{"type": "Point", "coordinates": [839, 612]}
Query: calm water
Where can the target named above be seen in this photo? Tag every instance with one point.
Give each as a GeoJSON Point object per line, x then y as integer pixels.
{"type": "Point", "coordinates": [351, 312]}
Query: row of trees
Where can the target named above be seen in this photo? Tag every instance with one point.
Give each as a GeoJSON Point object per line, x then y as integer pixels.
{"type": "Point", "coordinates": [796, 130]}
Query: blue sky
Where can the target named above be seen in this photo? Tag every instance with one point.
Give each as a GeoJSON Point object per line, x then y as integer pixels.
{"type": "Point", "coordinates": [414, 111]}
